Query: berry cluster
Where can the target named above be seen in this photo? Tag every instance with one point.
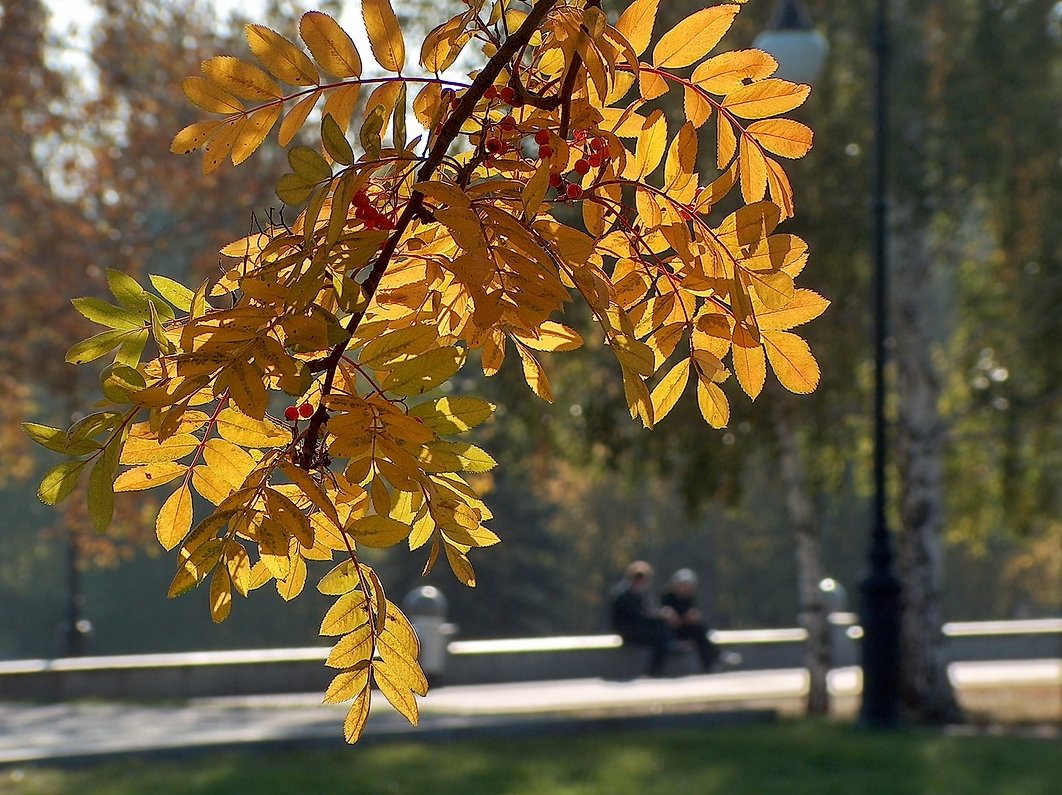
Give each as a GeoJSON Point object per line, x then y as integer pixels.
{"type": "Point", "coordinates": [369, 215]}
{"type": "Point", "coordinates": [294, 413]}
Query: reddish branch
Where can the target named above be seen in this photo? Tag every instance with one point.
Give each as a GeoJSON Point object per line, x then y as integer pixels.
{"type": "Point", "coordinates": [448, 133]}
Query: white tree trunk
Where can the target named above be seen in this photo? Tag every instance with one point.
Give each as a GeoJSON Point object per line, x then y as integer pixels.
{"type": "Point", "coordinates": [805, 525]}
{"type": "Point", "coordinates": [926, 691]}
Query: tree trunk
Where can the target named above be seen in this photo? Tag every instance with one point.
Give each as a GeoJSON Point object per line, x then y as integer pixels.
{"type": "Point", "coordinates": [925, 689]}
{"type": "Point", "coordinates": [805, 525]}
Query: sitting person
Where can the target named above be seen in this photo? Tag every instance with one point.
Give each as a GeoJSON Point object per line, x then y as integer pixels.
{"type": "Point", "coordinates": [683, 617]}
{"type": "Point", "coordinates": [634, 621]}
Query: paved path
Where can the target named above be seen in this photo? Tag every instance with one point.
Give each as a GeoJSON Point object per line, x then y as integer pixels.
{"type": "Point", "coordinates": [86, 730]}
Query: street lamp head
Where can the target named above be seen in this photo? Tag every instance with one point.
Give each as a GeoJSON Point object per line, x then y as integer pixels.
{"type": "Point", "coordinates": [799, 49]}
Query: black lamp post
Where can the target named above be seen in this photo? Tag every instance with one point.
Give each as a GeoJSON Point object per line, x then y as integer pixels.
{"type": "Point", "coordinates": [800, 52]}
{"type": "Point", "coordinates": [880, 609]}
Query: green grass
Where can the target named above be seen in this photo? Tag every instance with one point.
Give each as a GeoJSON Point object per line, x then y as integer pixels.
{"type": "Point", "coordinates": [799, 758]}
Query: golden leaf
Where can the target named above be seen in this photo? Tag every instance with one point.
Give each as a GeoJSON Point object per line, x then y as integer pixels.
{"type": "Point", "coordinates": [149, 476]}
{"type": "Point", "coordinates": [667, 392]}
{"type": "Point", "coordinates": [220, 595]}
{"type": "Point", "coordinates": [385, 34]}
{"type": "Point", "coordinates": [766, 98]}
{"type": "Point", "coordinates": [750, 367]}
{"type": "Point", "coordinates": [693, 38]}
{"type": "Point", "coordinates": [330, 45]}
{"type": "Point", "coordinates": [378, 531]}
{"type": "Point", "coordinates": [783, 137]}
{"type": "Point", "coordinates": [357, 715]}
{"type": "Point", "coordinates": [636, 23]}
{"type": "Point", "coordinates": [236, 427]}
{"type": "Point", "coordinates": [346, 615]}
{"type": "Point", "coordinates": [805, 306]}
{"type": "Point", "coordinates": [713, 404]}
{"type": "Point", "coordinates": [175, 518]}
{"type": "Point", "coordinates": [281, 57]}
{"type": "Point", "coordinates": [792, 361]}
{"type": "Point", "coordinates": [241, 78]}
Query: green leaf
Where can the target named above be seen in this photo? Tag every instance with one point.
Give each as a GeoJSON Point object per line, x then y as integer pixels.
{"type": "Point", "coordinates": [335, 142]}
{"type": "Point", "coordinates": [127, 291]}
{"type": "Point", "coordinates": [173, 291]}
{"type": "Point", "coordinates": [109, 315]}
{"type": "Point", "coordinates": [398, 123]}
{"type": "Point", "coordinates": [57, 440]}
{"type": "Point", "coordinates": [60, 481]}
{"type": "Point", "coordinates": [293, 189]}
{"type": "Point", "coordinates": [119, 382]}
{"type": "Point", "coordinates": [97, 346]}
{"type": "Point", "coordinates": [308, 164]}
{"type": "Point", "coordinates": [457, 414]}
{"type": "Point", "coordinates": [132, 349]}
{"type": "Point", "coordinates": [101, 487]}
{"type": "Point", "coordinates": [371, 131]}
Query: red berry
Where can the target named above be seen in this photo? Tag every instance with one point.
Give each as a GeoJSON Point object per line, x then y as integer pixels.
{"type": "Point", "coordinates": [582, 165]}
{"type": "Point", "coordinates": [361, 199]}
{"type": "Point", "coordinates": [573, 191]}
{"type": "Point", "coordinates": [495, 145]}
{"type": "Point", "coordinates": [305, 411]}
{"type": "Point", "coordinates": [490, 93]}
{"type": "Point", "coordinates": [545, 152]}
{"type": "Point", "coordinates": [507, 94]}
{"type": "Point", "coordinates": [542, 137]}
{"type": "Point", "coordinates": [508, 123]}
{"type": "Point", "coordinates": [598, 144]}
{"type": "Point", "coordinates": [291, 414]}
{"type": "Point", "coordinates": [594, 159]}
{"type": "Point", "coordinates": [555, 180]}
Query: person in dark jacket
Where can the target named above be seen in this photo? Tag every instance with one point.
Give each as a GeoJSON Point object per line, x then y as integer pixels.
{"type": "Point", "coordinates": [635, 621]}
{"type": "Point", "coordinates": [680, 599]}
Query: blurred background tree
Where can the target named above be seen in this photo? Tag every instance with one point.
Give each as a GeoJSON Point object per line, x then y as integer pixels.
{"type": "Point", "coordinates": [584, 490]}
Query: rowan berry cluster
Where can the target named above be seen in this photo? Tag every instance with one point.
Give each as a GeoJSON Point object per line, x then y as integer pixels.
{"type": "Point", "coordinates": [369, 215]}
{"type": "Point", "coordinates": [294, 413]}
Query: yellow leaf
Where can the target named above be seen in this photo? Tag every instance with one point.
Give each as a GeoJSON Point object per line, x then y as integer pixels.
{"type": "Point", "coordinates": [729, 71]}
{"type": "Point", "coordinates": [330, 45]}
{"type": "Point", "coordinates": [792, 361]}
{"type": "Point", "coordinates": [750, 367]}
{"type": "Point", "coordinates": [636, 23]}
{"type": "Point", "coordinates": [442, 46]}
{"type": "Point", "coordinates": [273, 547]}
{"type": "Point", "coordinates": [726, 142]}
{"type": "Point", "coordinates": [347, 685]}
{"type": "Point", "coordinates": [697, 109]}
{"type": "Point", "coordinates": [667, 392]}
{"type": "Point", "coordinates": [552, 336]}
{"type": "Point", "coordinates": [340, 580]}
{"type": "Point", "coordinates": [238, 428]}
{"type": "Point", "coordinates": [385, 34]}
{"type": "Point", "coordinates": [783, 137]}
{"type": "Point", "coordinates": [386, 350]}
{"type": "Point", "coordinates": [290, 518]}
{"type": "Point", "coordinates": [766, 98]}
{"type": "Point", "coordinates": [713, 404]}
{"type": "Point", "coordinates": [220, 595]}
{"type": "Point", "coordinates": [752, 170]}
{"type": "Point", "coordinates": [209, 96]}
{"type": "Point", "coordinates": [357, 715]}
{"type": "Point", "coordinates": [292, 585]}
{"type": "Point", "coordinates": [253, 131]}
{"type": "Point", "coordinates": [313, 491]}
{"type": "Point", "coordinates": [149, 476]}
{"type": "Point", "coordinates": [461, 566]}
{"type": "Point", "coordinates": [378, 531]}
{"type": "Point", "coordinates": [175, 518]}
{"type": "Point", "coordinates": [805, 306]}
{"type": "Point", "coordinates": [535, 190]}
{"type": "Point", "coordinates": [681, 162]}
{"type": "Point", "coordinates": [281, 57]}
{"type": "Point", "coordinates": [535, 375]}
{"type": "Point", "coordinates": [693, 38]}
{"type": "Point", "coordinates": [353, 648]}
{"type": "Point", "coordinates": [449, 415]}
{"type": "Point", "coordinates": [401, 697]}
{"type": "Point", "coordinates": [424, 372]}
{"type": "Point", "coordinates": [193, 136]}
{"type": "Point", "coordinates": [139, 450]}
{"type": "Point", "coordinates": [652, 141]}
{"type": "Point", "coordinates": [346, 615]}
{"type": "Point", "coordinates": [241, 78]}
{"type": "Point", "coordinates": [296, 117]}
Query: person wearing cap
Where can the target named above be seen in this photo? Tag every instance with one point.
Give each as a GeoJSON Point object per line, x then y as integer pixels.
{"type": "Point", "coordinates": [680, 606]}
{"type": "Point", "coordinates": [638, 623]}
